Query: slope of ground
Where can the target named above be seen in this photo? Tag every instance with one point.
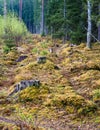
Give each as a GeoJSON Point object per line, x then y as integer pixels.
{"type": "Point", "coordinates": [69, 95]}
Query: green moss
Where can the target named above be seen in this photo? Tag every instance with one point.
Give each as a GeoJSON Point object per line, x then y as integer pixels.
{"type": "Point", "coordinates": [72, 89]}
{"type": "Point", "coordinates": [70, 109]}
{"type": "Point", "coordinates": [36, 95]}
{"type": "Point", "coordinates": [35, 50]}
{"type": "Point", "coordinates": [49, 65]}
{"type": "Point", "coordinates": [96, 96]}
{"type": "Point", "coordinates": [44, 53]}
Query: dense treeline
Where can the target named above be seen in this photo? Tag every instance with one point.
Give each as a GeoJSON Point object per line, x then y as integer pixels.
{"type": "Point", "coordinates": [68, 19]}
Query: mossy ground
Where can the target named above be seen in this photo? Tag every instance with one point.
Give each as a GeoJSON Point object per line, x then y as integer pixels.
{"type": "Point", "coordinates": [69, 95]}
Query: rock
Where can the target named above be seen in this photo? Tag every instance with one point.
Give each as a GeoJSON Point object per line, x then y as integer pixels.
{"type": "Point", "coordinates": [21, 58]}
{"type": "Point", "coordinates": [56, 67]}
{"type": "Point", "coordinates": [41, 60]}
{"type": "Point", "coordinates": [72, 45]}
{"type": "Point", "coordinates": [24, 84]}
{"type": "Point", "coordinates": [51, 50]}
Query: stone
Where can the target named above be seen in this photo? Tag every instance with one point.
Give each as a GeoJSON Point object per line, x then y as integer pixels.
{"type": "Point", "coordinates": [51, 50]}
{"type": "Point", "coordinates": [72, 45]}
{"type": "Point", "coordinates": [41, 60]}
{"type": "Point", "coordinates": [21, 58]}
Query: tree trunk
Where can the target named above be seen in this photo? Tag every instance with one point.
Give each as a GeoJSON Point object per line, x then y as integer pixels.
{"type": "Point", "coordinates": [42, 20]}
{"type": "Point", "coordinates": [89, 24]}
{"type": "Point", "coordinates": [11, 3]}
{"type": "Point", "coordinates": [5, 9]}
{"type": "Point", "coordinates": [20, 9]}
{"type": "Point", "coordinates": [99, 24]}
{"type": "Point", "coordinates": [65, 36]}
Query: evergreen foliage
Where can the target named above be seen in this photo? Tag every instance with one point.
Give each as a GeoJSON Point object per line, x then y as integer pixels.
{"type": "Point", "coordinates": [62, 18]}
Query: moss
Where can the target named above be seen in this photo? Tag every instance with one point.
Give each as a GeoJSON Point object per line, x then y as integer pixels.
{"type": "Point", "coordinates": [34, 65]}
{"type": "Point", "coordinates": [66, 62]}
{"type": "Point", "coordinates": [98, 82]}
{"type": "Point", "coordinates": [95, 65]}
{"type": "Point", "coordinates": [23, 76]}
{"type": "Point", "coordinates": [10, 62]}
{"type": "Point", "coordinates": [70, 109]}
{"type": "Point", "coordinates": [87, 49]}
{"type": "Point", "coordinates": [12, 54]}
{"type": "Point", "coordinates": [89, 107]}
{"type": "Point", "coordinates": [49, 65]}
{"type": "Point", "coordinates": [33, 69]}
{"type": "Point", "coordinates": [72, 89]}
{"type": "Point", "coordinates": [66, 51]}
{"type": "Point", "coordinates": [96, 96]}
{"type": "Point", "coordinates": [36, 95]}
{"type": "Point", "coordinates": [88, 74]}
{"type": "Point", "coordinates": [71, 101]}
{"type": "Point", "coordinates": [30, 66]}
{"type": "Point", "coordinates": [97, 119]}
{"type": "Point", "coordinates": [82, 45]}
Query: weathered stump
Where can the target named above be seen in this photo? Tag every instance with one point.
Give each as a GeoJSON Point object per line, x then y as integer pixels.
{"type": "Point", "coordinates": [41, 60]}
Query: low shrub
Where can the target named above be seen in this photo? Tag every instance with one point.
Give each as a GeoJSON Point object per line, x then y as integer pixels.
{"type": "Point", "coordinates": [12, 29]}
{"type": "Point", "coordinates": [9, 44]}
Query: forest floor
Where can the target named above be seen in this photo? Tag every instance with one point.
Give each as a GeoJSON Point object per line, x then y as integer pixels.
{"type": "Point", "coordinates": [69, 95]}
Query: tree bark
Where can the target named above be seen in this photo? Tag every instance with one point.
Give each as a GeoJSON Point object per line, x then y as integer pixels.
{"type": "Point", "coordinates": [42, 20]}
{"type": "Point", "coordinates": [12, 6]}
{"type": "Point", "coordinates": [65, 36]}
{"type": "Point", "coordinates": [20, 9]}
{"type": "Point", "coordinates": [64, 8]}
{"type": "Point", "coordinates": [5, 9]}
{"type": "Point", "coordinates": [89, 24]}
{"type": "Point", "coordinates": [99, 24]}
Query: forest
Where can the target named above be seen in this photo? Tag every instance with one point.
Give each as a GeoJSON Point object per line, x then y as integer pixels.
{"type": "Point", "coordinates": [49, 64]}
{"type": "Point", "coordinates": [75, 18]}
